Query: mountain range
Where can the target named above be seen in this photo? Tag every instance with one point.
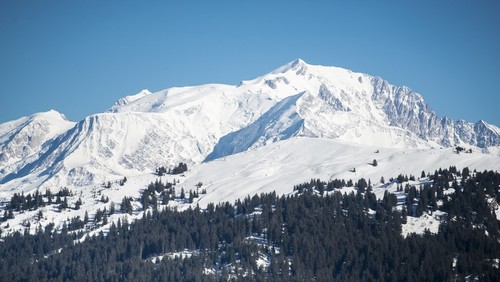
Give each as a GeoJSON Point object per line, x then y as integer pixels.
{"type": "Point", "coordinates": [151, 182]}
{"type": "Point", "coordinates": [194, 124]}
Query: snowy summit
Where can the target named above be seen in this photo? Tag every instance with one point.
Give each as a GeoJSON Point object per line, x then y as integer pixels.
{"type": "Point", "coordinates": [192, 124]}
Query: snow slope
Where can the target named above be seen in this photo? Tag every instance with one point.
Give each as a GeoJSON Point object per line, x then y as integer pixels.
{"type": "Point", "coordinates": [107, 146]}
{"type": "Point", "coordinates": [275, 167]}
{"type": "Point", "coordinates": [281, 165]}
{"type": "Point", "coordinates": [26, 137]}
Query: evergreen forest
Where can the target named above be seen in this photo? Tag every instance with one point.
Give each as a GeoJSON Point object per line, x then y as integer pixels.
{"type": "Point", "coordinates": [315, 233]}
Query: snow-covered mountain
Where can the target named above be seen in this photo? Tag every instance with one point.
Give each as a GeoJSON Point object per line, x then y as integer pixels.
{"type": "Point", "coordinates": [191, 124]}
{"type": "Point", "coordinates": [336, 103]}
{"type": "Point", "coordinates": [26, 138]}
{"type": "Point", "coordinates": [296, 123]}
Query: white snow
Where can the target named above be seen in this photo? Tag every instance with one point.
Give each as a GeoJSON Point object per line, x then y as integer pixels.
{"type": "Point", "coordinates": [143, 131]}
{"type": "Point", "coordinates": [263, 261]}
{"type": "Point", "coordinates": [23, 138]}
{"type": "Point", "coordinates": [268, 134]}
{"type": "Point", "coordinates": [428, 221]}
{"type": "Point", "coordinates": [281, 165]}
{"type": "Point", "coordinates": [182, 255]}
{"type": "Point", "coordinates": [129, 99]}
{"type": "Point", "coordinates": [275, 167]}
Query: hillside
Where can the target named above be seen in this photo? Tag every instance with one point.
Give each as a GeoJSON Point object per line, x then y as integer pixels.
{"type": "Point", "coordinates": [277, 167]}
{"type": "Point", "coordinates": [191, 124]}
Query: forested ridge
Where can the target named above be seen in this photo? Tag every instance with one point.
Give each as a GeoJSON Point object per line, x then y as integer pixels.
{"type": "Point", "coordinates": [315, 233]}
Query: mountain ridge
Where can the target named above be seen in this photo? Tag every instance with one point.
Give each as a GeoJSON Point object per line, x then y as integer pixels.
{"type": "Point", "coordinates": [192, 124]}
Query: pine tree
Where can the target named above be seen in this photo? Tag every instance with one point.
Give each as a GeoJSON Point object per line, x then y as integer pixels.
{"type": "Point", "coordinates": [78, 204]}
{"type": "Point", "coordinates": [64, 204]}
{"type": "Point", "coordinates": [126, 205]}
{"type": "Point", "coordinates": [404, 215]}
{"type": "Point", "coordinates": [191, 196]}
{"type": "Point", "coordinates": [112, 208]}
{"type": "Point", "coordinates": [39, 216]}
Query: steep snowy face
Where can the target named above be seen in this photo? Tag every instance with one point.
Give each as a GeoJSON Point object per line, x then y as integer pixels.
{"type": "Point", "coordinates": [280, 122]}
{"type": "Point", "coordinates": [339, 103]}
{"type": "Point", "coordinates": [333, 103]}
{"type": "Point", "coordinates": [407, 109]}
{"type": "Point", "coordinates": [403, 107]}
{"type": "Point", "coordinates": [24, 137]}
{"type": "Point", "coordinates": [486, 134]}
{"type": "Point", "coordinates": [108, 146]}
{"type": "Point", "coordinates": [162, 128]}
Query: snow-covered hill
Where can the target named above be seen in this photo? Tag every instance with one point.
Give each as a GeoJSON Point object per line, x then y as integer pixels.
{"type": "Point", "coordinates": [281, 165]}
{"type": "Point", "coordinates": [191, 124]}
{"type": "Point", "coordinates": [275, 167]}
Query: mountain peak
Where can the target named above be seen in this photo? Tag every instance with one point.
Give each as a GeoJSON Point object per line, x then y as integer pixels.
{"type": "Point", "coordinates": [298, 65]}
{"type": "Point", "coordinates": [492, 128]}
{"type": "Point", "coordinates": [49, 115]}
{"type": "Point", "coordinates": [129, 99]}
{"type": "Point", "coordinates": [297, 62]}
{"type": "Point", "coordinates": [25, 137]}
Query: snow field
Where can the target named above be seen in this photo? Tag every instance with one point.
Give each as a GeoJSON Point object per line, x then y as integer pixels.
{"type": "Point", "coordinates": [275, 167]}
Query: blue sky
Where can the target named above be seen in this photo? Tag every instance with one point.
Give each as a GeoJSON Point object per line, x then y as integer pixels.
{"type": "Point", "coordinates": [78, 57]}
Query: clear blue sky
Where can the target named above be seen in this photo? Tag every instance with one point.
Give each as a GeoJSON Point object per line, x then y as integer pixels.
{"type": "Point", "coordinates": [78, 57]}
